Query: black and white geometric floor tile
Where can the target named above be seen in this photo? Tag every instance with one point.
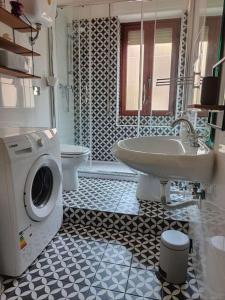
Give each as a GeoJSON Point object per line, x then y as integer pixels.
{"type": "Point", "coordinates": [97, 194]}
{"type": "Point", "coordinates": [62, 272]}
{"type": "Point", "coordinates": [113, 204]}
{"type": "Point", "coordinates": [120, 197]}
{"type": "Point", "coordinates": [143, 223]}
{"type": "Point", "coordinates": [112, 277]}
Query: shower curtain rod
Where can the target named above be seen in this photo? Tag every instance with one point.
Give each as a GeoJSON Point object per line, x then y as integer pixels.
{"type": "Point", "coordinates": [63, 3]}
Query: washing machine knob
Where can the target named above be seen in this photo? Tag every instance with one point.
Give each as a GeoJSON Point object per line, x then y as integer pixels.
{"type": "Point", "coordinates": [40, 142]}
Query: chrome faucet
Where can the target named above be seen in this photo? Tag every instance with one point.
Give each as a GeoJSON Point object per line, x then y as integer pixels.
{"type": "Point", "coordinates": [193, 136]}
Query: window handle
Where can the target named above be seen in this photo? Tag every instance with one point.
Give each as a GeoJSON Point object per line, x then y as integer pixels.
{"type": "Point", "coordinates": [149, 81]}
{"type": "Point", "coordinates": [144, 94]}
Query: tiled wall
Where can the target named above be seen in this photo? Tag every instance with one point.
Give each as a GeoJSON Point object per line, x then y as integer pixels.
{"type": "Point", "coordinates": [107, 125]}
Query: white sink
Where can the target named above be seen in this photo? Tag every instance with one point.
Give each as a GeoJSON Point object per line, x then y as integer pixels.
{"type": "Point", "coordinates": [167, 158]}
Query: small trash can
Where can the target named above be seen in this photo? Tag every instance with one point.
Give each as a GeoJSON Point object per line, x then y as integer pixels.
{"type": "Point", "coordinates": [173, 262]}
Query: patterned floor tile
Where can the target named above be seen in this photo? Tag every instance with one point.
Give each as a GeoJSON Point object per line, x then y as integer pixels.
{"type": "Point", "coordinates": [95, 193]}
{"type": "Point", "coordinates": [64, 265]}
{"type": "Point", "coordinates": [189, 291]}
{"type": "Point", "coordinates": [90, 250]}
{"type": "Point", "coordinates": [101, 294]}
{"type": "Point", "coordinates": [58, 274]}
{"type": "Point", "coordinates": [44, 288]}
{"type": "Point", "coordinates": [78, 232]}
{"type": "Point", "coordinates": [111, 277]}
{"type": "Point", "coordinates": [70, 269]}
{"type": "Point", "coordinates": [144, 283]}
{"type": "Point", "coordinates": [146, 252]}
{"type": "Point", "coordinates": [117, 254]}
{"type": "Point", "coordinates": [134, 297]}
{"type": "Point", "coordinates": [129, 214]}
{"type": "Point", "coordinates": [128, 208]}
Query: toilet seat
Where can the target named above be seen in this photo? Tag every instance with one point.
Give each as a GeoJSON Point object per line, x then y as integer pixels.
{"type": "Point", "coordinates": [73, 150]}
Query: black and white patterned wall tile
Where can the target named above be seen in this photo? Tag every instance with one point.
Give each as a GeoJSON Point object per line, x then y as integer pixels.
{"type": "Point", "coordinates": [87, 263]}
{"type": "Point", "coordinates": [107, 126]}
{"type": "Point", "coordinates": [181, 66]}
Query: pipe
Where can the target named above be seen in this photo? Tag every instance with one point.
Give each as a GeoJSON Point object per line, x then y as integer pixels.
{"type": "Point", "coordinates": [140, 73]}
{"type": "Point", "coordinates": [90, 86]}
{"type": "Point", "coordinates": [109, 64]}
{"type": "Point", "coordinates": [51, 73]}
{"type": "Point", "coordinates": [171, 206]}
{"type": "Point", "coordinates": [79, 84]}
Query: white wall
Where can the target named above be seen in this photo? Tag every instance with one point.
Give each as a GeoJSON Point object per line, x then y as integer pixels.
{"type": "Point", "coordinates": [210, 257]}
{"type": "Point", "coordinates": [18, 106]}
{"type": "Point", "coordinates": [210, 262]}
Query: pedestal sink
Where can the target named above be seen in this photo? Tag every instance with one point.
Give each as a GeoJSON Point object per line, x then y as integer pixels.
{"type": "Point", "coordinates": [165, 158]}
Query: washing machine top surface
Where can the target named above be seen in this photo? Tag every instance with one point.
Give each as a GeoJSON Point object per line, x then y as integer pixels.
{"type": "Point", "coordinates": [73, 149]}
{"type": "Point", "coordinates": [17, 131]}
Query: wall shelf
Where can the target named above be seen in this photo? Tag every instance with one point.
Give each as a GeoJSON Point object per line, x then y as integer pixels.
{"type": "Point", "coordinates": [212, 110]}
{"type": "Point", "coordinates": [16, 73]}
{"type": "Point", "coordinates": [18, 24]}
{"type": "Point", "coordinates": [207, 107]}
{"type": "Point", "coordinates": [15, 48]}
{"type": "Point", "coordinates": [14, 22]}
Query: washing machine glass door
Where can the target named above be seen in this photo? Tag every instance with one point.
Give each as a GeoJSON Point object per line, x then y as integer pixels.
{"type": "Point", "coordinates": [42, 188]}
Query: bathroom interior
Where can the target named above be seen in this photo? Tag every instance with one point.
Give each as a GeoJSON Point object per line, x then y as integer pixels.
{"type": "Point", "coordinates": [133, 93]}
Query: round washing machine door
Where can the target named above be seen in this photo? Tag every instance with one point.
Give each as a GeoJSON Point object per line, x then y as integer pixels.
{"type": "Point", "coordinates": [42, 188]}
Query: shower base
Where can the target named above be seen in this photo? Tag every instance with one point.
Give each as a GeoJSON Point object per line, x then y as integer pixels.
{"type": "Point", "coordinates": [107, 170]}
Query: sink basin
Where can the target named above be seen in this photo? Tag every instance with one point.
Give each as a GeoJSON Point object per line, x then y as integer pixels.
{"type": "Point", "coordinates": [167, 158]}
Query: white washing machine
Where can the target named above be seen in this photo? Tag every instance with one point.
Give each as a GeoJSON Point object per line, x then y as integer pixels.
{"type": "Point", "coordinates": [30, 195]}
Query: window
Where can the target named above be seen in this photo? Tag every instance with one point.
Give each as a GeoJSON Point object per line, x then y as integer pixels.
{"type": "Point", "coordinates": [160, 60]}
{"type": "Point", "coordinates": [208, 46]}
{"type": "Point", "coordinates": [207, 53]}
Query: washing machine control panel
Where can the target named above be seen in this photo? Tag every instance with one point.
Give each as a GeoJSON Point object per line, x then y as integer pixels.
{"type": "Point", "coordinates": [25, 145]}
{"type": "Point", "coordinates": [38, 139]}
{"type": "Point", "coordinates": [20, 147]}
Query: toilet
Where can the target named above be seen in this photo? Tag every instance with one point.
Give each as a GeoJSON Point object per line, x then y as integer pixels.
{"type": "Point", "coordinates": [72, 158]}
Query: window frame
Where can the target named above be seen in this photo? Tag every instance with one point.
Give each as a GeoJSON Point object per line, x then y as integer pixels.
{"type": "Point", "coordinates": [149, 26]}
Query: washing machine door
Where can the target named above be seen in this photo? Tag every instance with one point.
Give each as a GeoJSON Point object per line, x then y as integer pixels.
{"type": "Point", "coordinates": [42, 188]}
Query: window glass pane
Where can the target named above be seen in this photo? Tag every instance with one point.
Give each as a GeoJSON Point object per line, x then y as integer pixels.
{"type": "Point", "coordinates": [161, 68]}
{"type": "Point", "coordinates": [200, 65]}
{"type": "Point", "coordinates": [133, 61]}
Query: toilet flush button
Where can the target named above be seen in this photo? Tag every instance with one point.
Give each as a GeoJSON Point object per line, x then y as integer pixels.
{"type": "Point", "coordinates": [40, 142]}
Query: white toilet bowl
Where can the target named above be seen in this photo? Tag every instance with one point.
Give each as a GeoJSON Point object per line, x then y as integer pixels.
{"type": "Point", "coordinates": [72, 158]}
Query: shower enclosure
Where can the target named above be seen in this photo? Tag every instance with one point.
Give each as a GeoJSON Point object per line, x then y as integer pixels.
{"type": "Point", "coordinates": [119, 70]}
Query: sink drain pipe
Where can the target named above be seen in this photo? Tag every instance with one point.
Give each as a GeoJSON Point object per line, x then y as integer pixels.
{"type": "Point", "coordinates": [172, 206]}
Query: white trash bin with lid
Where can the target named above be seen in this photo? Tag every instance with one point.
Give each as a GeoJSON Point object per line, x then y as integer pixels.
{"type": "Point", "coordinates": [173, 262]}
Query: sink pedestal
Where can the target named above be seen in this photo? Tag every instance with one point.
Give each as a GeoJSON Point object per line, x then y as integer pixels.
{"type": "Point", "coordinates": [149, 188]}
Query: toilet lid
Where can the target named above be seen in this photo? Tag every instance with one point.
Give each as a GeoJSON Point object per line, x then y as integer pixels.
{"type": "Point", "coordinates": [73, 149]}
